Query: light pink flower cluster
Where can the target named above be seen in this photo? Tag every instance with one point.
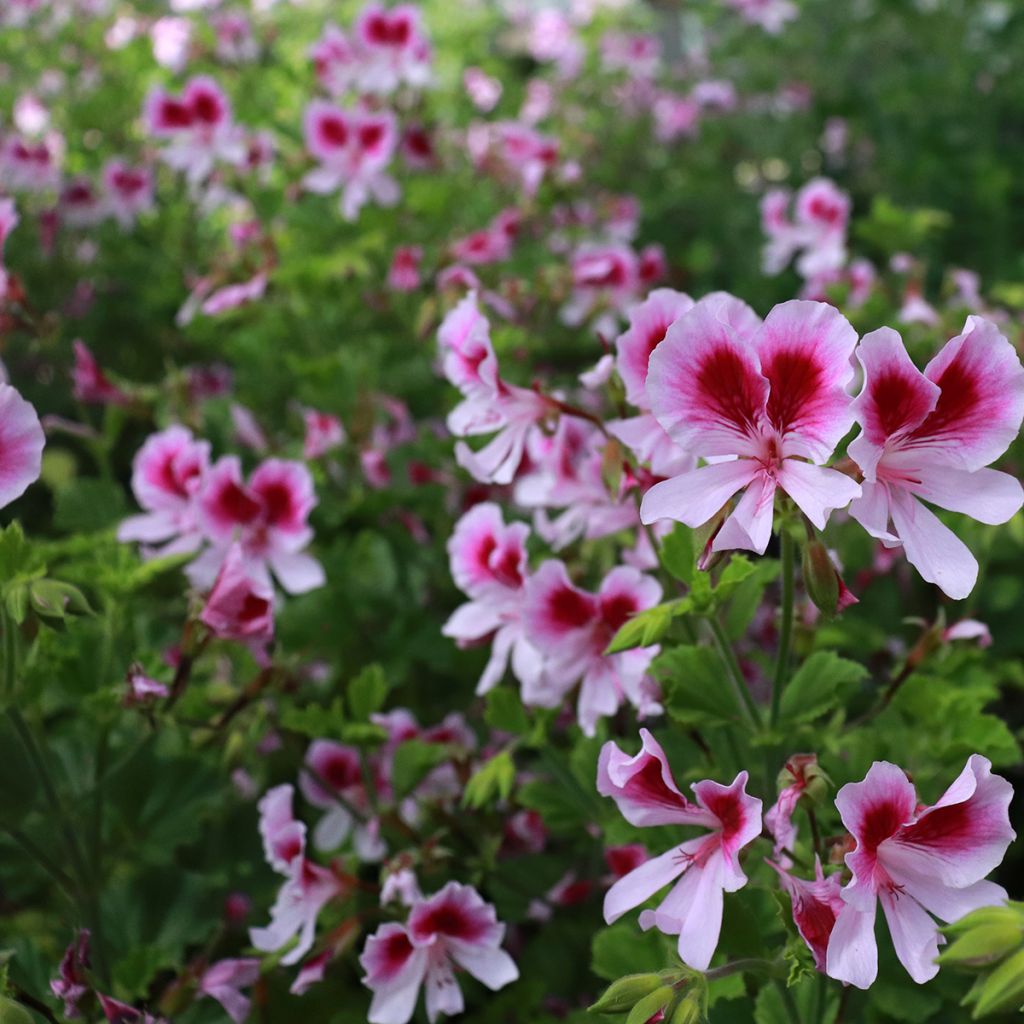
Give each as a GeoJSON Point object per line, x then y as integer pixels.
{"type": "Point", "coordinates": [920, 862]}
{"type": "Point", "coordinates": [817, 231]}
{"type": "Point", "coordinates": [453, 929]}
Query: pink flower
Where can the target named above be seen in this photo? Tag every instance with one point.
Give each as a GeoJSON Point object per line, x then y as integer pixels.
{"type": "Point", "coordinates": [269, 517]}
{"type": "Point", "coordinates": [488, 564]}
{"type": "Point", "coordinates": [90, 382]}
{"type": "Point", "coordinates": [482, 90]}
{"type": "Point", "coordinates": [605, 279]}
{"type": "Point", "coordinates": [816, 905]}
{"type": "Point", "coordinates": [818, 232]}
{"type": "Point", "coordinates": [128, 191]}
{"type": "Point", "coordinates": [167, 474]}
{"type": "Point", "coordinates": [235, 41]}
{"type": "Point", "coordinates": [918, 861]}
{"type": "Point", "coordinates": [30, 166]}
{"type": "Point", "coordinates": [198, 126]}
{"type": "Point", "coordinates": [334, 770]}
{"type": "Point", "coordinates": [404, 273]}
{"type": "Point", "coordinates": [222, 981]}
{"type": "Point", "coordinates": [307, 889]}
{"type": "Point", "coordinates": [141, 689]}
{"type": "Point", "coordinates": [21, 445]}
{"type": "Point", "coordinates": [324, 432]}
{"type": "Point", "coordinates": [72, 984]}
{"type": "Point", "coordinates": [392, 47]}
{"type": "Point", "coordinates": [232, 296]}
{"type": "Point", "coordinates": [771, 15]}
{"type": "Point", "coordinates": [525, 154]}
{"type": "Point", "coordinates": [928, 437]}
{"type": "Point", "coordinates": [573, 628]}
{"type": "Point", "coordinates": [776, 401]}
{"type": "Point", "coordinates": [81, 206]}
{"type": "Point", "coordinates": [454, 927]}
{"type": "Point", "coordinates": [240, 607]}
{"type": "Point", "coordinates": [778, 820]}
{"type": "Point", "coordinates": [968, 629]}
{"type": "Point", "coordinates": [647, 795]}
{"type": "Point", "coordinates": [490, 405]}
{"type": "Point", "coordinates": [117, 1012]}
{"type": "Point", "coordinates": [335, 60]}
{"type": "Point", "coordinates": [354, 149]}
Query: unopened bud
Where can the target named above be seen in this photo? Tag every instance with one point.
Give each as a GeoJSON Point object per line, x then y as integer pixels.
{"type": "Point", "coordinates": [688, 1011]}
{"type": "Point", "coordinates": [1005, 913]}
{"type": "Point", "coordinates": [1003, 990]}
{"type": "Point", "coordinates": [650, 1005]}
{"type": "Point", "coordinates": [821, 578]}
{"type": "Point", "coordinates": [984, 945]}
{"type": "Point", "coordinates": [624, 994]}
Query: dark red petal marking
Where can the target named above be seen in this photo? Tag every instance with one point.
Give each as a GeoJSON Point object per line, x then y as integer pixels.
{"type": "Point", "coordinates": [795, 378]}
{"type": "Point", "coordinates": [728, 385]}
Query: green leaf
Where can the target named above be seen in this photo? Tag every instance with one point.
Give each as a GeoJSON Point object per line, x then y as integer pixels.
{"type": "Point", "coordinates": [87, 506]}
{"type": "Point", "coordinates": [823, 682]}
{"type": "Point", "coordinates": [561, 807]}
{"type": "Point", "coordinates": [904, 1000]}
{"type": "Point", "coordinates": [413, 761]}
{"type": "Point", "coordinates": [677, 554]}
{"type": "Point", "coordinates": [492, 780]}
{"type": "Point", "coordinates": [505, 712]}
{"type": "Point", "coordinates": [738, 570]}
{"type": "Point", "coordinates": [644, 628]}
{"type": "Point", "coordinates": [623, 949]}
{"type": "Point", "coordinates": [367, 692]}
{"type": "Point", "coordinates": [315, 720]}
{"type": "Point", "coordinates": [696, 691]}
{"type": "Point", "coordinates": [15, 552]}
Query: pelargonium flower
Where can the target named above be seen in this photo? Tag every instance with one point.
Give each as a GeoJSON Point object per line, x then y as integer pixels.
{"type": "Point", "coordinates": [332, 780]}
{"type": "Point", "coordinates": [268, 516]}
{"type": "Point", "coordinates": [30, 166]}
{"type": "Point", "coordinates": [605, 280]}
{"type": "Point", "coordinates": [404, 272]}
{"type": "Point", "coordinates": [90, 383]}
{"type": "Point", "coordinates": [647, 795]}
{"type": "Point", "coordinates": [816, 905]}
{"type": "Point", "coordinates": [240, 606]}
{"type": "Point", "coordinates": [223, 980]}
{"type": "Point", "coordinates": [72, 985]}
{"type": "Point", "coordinates": [490, 405]}
{"type": "Point", "coordinates": [21, 445]}
{"type": "Point", "coordinates": [452, 928]}
{"type": "Point", "coordinates": [818, 231]}
{"type": "Point", "coordinates": [572, 629]}
{"type": "Point", "coordinates": [307, 888]}
{"type": "Point", "coordinates": [488, 564]}
{"type": "Point", "coordinates": [334, 59]}
{"type": "Point", "coordinates": [324, 433]}
{"type": "Point", "coordinates": [928, 437]}
{"type": "Point", "coordinates": [128, 191]}
{"type": "Point", "coordinates": [354, 148]}
{"type": "Point", "coordinates": [771, 408]}
{"type": "Point", "coordinates": [800, 770]}
{"type": "Point", "coordinates": [524, 153]}
{"type": "Point", "coordinates": [393, 48]}
{"type": "Point", "coordinates": [199, 128]}
{"type": "Point", "coordinates": [168, 472]}
{"type": "Point", "coordinates": [919, 862]}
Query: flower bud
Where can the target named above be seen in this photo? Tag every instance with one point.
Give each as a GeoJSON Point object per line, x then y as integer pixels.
{"type": "Point", "coordinates": [1003, 990]}
{"type": "Point", "coordinates": [983, 945]}
{"type": "Point", "coordinates": [689, 1011]}
{"type": "Point", "coordinates": [1006, 913]}
{"type": "Point", "coordinates": [651, 1004]}
{"type": "Point", "coordinates": [622, 995]}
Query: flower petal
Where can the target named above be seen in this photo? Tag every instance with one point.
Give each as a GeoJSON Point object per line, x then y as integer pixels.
{"type": "Point", "coordinates": [817, 489]}
{"type": "Point", "coordinates": [852, 951]}
{"type": "Point", "coordinates": [693, 498]}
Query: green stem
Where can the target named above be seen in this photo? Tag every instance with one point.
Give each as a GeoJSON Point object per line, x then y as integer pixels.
{"type": "Point", "coordinates": [785, 627]}
{"type": "Point", "coordinates": [733, 671]}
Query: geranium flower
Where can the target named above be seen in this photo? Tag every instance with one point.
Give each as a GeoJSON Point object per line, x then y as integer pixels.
{"type": "Point", "coordinates": [21, 445]}
{"type": "Point", "coordinates": [919, 862]}
{"type": "Point", "coordinates": [452, 928]}
{"type": "Point", "coordinates": [770, 408]}
{"type": "Point", "coordinates": [928, 437]}
{"type": "Point", "coordinates": [646, 794]}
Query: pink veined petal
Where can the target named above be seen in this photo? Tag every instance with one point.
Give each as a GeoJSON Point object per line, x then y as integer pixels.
{"type": "Point", "coordinates": [805, 350]}
{"type": "Point", "coordinates": [895, 399]}
{"type": "Point", "coordinates": [443, 993]}
{"type": "Point", "coordinates": [914, 934]}
{"type": "Point", "coordinates": [497, 663]}
{"type": "Point", "coordinates": [981, 403]}
{"type": "Point", "coordinates": [699, 921]}
{"type": "Point", "coordinates": [732, 311]}
{"type": "Point", "coordinates": [937, 553]}
{"type": "Point", "coordinates": [642, 883]}
{"type": "Point", "coordinates": [599, 697]}
{"type": "Point", "coordinates": [489, 965]}
{"type": "Point", "coordinates": [693, 498]}
{"type": "Point", "coordinates": [749, 527]}
{"type": "Point", "coordinates": [21, 445]}
{"type": "Point", "coordinates": [947, 903]}
{"type": "Point", "coordinates": [297, 572]}
{"type": "Point", "coordinates": [705, 386]}
{"type": "Point", "coordinates": [852, 951]}
{"type": "Point", "coordinates": [817, 489]}
{"type": "Point", "coordinates": [472, 620]}
{"type": "Point", "coordinates": [395, 1001]}
{"type": "Point", "coordinates": [964, 836]}
{"type": "Point", "coordinates": [871, 510]}
{"type": "Point", "coordinates": [648, 323]}
{"type": "Point", "coordinates": [986, 495]}
{"type": "Point", "coordinates": [527, 661]}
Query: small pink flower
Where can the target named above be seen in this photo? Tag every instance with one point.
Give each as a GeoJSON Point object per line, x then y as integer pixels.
{"type": "Point", "coordinates": [816, 905]}
{"type": "Point", "coordinates": [647, 795]}
{"type": "Point", "coordinates": [128, 191]}
{"type": "Point", "coordinates": [483, 90]}
{"type": "Point", "coordinates": [454, 927]}
{"type": "Point", "coordinates": [91, 383]}
{"type": "Point", "coordinates": [240, 607]}
{"type": "Point", "coordinates": [21, 445]}
{"type": "Point", "coordinates": [404, 273]}
{"type": "Point", "coordinates": [222, 981]}
{"type": "Point", "coordinates": [919, 862]}
{"type": "Point", "coordinates": [324, 432]}
{"type": "Point", "coordinates": [141, 689]}
{"type": "Point", "coordinates": [392, 48]}
{"type": "Point", "coordinates": [335, 60]}
{"type": "Point", "coordinates": [72, 985]}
